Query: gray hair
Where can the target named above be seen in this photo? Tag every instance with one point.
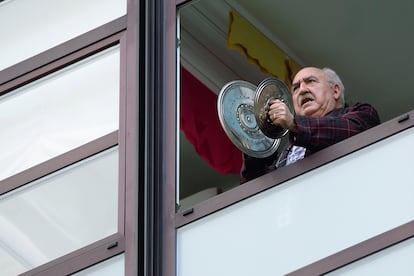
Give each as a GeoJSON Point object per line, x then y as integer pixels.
{"type": "Point", "coordinates": [333, 78]}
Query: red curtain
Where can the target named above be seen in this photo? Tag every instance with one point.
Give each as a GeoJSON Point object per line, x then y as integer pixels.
{"type": "Point", "coordinates": [200, 124]}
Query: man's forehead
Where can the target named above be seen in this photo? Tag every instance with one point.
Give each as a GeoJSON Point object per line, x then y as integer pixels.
{"type": "Point", "coordinates": [306, 73]}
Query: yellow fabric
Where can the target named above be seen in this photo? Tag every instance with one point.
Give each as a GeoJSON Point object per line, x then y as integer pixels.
{"type": "Point", "coordinates": [259, 50]}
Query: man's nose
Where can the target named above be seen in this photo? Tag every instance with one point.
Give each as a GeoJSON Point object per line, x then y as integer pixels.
{"type": "Point", "coordinates": [303, 88]}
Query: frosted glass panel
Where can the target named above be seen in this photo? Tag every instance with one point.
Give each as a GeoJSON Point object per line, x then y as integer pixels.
{"type": "Point", "coordinates": [59, 213]}
{"type": "Point", "coordinates": [307, 218]}
{"type": "Point", "coordinates": [43, 24]}
{"type": "Point", "coordinates": [396, 260]}
{"type": "Point", "coordinates": [60, 112]}
{"type": "Point", "coordinates": [112, 267]}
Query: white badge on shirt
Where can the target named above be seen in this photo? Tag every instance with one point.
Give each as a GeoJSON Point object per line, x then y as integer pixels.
{"type": "Point", "coordinates": [296, 153]}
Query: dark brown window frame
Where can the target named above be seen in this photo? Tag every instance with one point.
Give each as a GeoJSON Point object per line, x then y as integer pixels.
{"type": "Point", "coordinates": [52, 60]}
{"type": "Point", "coordinates": [339, 259]}
{"type": "Point", "coordinates": [57, 163]}
{"type": "Point", "coordinates": [56, 54]}
{"type": "Point", "coordinates": [358, 252]}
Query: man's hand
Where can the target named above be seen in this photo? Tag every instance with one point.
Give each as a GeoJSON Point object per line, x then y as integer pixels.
{"type": "Point", "coordinates": [280, 114]}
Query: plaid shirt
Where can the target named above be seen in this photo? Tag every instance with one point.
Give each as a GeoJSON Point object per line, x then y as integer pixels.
{"type": "Point", "coordinates": [315, 134]}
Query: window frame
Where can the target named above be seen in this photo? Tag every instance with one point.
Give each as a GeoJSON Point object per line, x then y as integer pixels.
{"type": "Point", "coordinates": [52, 60]}
{"type": "Point", "coordinates": [253, 187]}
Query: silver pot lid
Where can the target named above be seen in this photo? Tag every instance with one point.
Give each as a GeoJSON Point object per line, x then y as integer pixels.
{"type": "Point", "coordinates": [268, 90]}
{"type": "Point", "coordinates": [236, 113]}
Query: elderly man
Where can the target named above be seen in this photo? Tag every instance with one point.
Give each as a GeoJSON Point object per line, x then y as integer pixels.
{"type": "Point", "coordinates": [321, 119]}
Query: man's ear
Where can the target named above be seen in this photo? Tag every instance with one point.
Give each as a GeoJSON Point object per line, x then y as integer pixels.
{"type": "Point", "coordinates": [337, 91]}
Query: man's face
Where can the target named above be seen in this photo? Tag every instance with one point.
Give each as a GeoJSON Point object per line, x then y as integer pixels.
{"type": "Point", "coordinates": [312, 94]}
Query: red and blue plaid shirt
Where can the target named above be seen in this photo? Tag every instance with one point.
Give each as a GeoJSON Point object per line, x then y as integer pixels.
{"type": "Point", "coordinates": [315, 134]}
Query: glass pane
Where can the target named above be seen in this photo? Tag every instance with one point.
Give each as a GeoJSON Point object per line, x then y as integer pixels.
{"type": "Point", "coordinates": [307, 218]}
{"type": "Point", "coordinates": [59, 112]}
{"type": "Point", "coordinates": [43, 24]}
{"type": "Point", "coordinates": [59, 213]}
{"type": "Point", "coordinates": [112, 267]}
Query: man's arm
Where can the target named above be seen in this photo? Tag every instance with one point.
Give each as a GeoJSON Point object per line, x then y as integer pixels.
{"type": "Point", "coordinates": [317, 133]}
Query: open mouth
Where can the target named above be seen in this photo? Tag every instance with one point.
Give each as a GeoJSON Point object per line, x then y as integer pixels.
{"type": "Point", "coordinates": [306, 99]}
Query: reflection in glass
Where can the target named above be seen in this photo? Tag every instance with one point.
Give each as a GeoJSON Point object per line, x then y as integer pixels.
{"type": "Point", "coordinates": [59, 213]}
{"type": "Point", "coordinates": [43, 28]}
{"type": "Point", "coordinates": [59, 112]}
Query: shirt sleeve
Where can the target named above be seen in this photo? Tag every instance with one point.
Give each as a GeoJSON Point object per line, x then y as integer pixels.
{"type": "Point", "coordinates": [317, 133]}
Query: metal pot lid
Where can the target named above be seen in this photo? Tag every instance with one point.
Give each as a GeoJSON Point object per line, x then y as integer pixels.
{"type": "Point", "coordinates": [236, 114]}
{"type": "Point", "coordinates": [268, 90]}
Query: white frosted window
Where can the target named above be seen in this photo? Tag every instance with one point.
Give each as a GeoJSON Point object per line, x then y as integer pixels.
{"type": "Point", "coordinates": [59, 213]}
{"type": "Point", "coordinates": [43, 24]}
{"type": "Point", "coordinates": [59, 112]}
{"type": "Point", "coordinates": [307, 218]}
{"type": "Point", "coordinates": [396, 260]}
{"type": "Point", "coordinates": [112, 267]}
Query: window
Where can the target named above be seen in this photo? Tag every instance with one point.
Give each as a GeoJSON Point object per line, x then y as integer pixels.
{"type": "Point", "coordinates": [215, 50]}
{"type": "Point", "coordinates": [63, 182]}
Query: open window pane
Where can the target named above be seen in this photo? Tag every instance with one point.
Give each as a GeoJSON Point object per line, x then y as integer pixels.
{"type": "Point", "coordinates": [223, 41]}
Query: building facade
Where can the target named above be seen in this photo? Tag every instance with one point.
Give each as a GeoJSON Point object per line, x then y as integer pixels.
{"type": "Point", "coordinates": [97, 175]}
